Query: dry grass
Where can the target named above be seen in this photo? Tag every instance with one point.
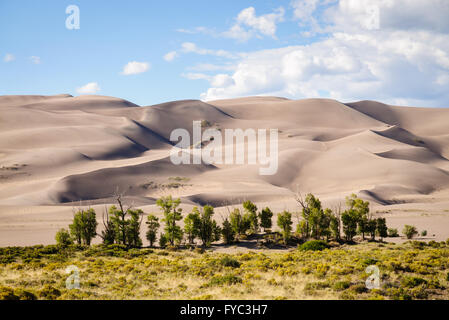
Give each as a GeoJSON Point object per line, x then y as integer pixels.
{"type": "Point", "coordinates": [408, 271]}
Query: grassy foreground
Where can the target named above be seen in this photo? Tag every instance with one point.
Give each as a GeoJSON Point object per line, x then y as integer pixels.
{"type": "Point", "coordinates": [413, 270]}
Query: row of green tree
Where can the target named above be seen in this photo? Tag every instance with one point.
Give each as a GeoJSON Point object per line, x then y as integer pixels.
{"type": "Point", "coordinates": [122, 224]}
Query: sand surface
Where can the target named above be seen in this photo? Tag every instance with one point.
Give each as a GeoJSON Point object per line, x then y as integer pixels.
{"type": "Point", "coordinates": [58, 153]}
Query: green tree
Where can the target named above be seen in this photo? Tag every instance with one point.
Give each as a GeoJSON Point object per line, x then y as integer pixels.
{"type": "Point", "coordinates": [361, 208]}
{"type": "Point", "coordinates": [381, 227]}
{"type": "Point", "coordinates": [119, 224]}
{"type": "Point", "coordinates": [409, 231]}
{"type": "Point", "coordinates": [251, 212]}
{"type": "Point", "coordinates": [302, 229]}
{"type": "Point", "coordinates": [192, 225]}
{"type": "Point", "coordinates": [265, 219]}
{"type": "Point", "coordinates": [208, 228]}
{"type": "Point", "coordinates": [133, 228]}
{"type": "Point", "coordinates": [126, 225]}
{"type": "Point", "coordinates": [316, 219]}
{"type": "Point", "coordinates": [172, 214]}
{"type": "Point", "coordinates": [153, 226]}
{"type": "Point", "coordinates": [334, 226]}
{"type": "Point", "coordinates": [371, 228]}
{"type": "Point", "coordinates": [63, 238]}
{"type": "Point", "coordinates": [284, 222]}
{"type": "Point", "coordinates": [325, 223]}
{"type": "Point", "coordinates": [84, 226]}
{"type": "Point", "coordinates": [108, 234]}
{"type": "Point", "coordinates": [228, 232]}
{"type": "Point", "coordinates": [349, 219]}
{"type": "Point", "coordinates": [240, 223]}
{"type": "Point", "coordinates": [162, 240]}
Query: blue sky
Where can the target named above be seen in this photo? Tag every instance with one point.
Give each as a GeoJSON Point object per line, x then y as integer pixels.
{"type": "Point", "coordinates": [346, 50]}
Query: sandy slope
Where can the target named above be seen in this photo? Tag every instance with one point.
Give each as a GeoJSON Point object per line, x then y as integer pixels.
{"type": "Point", "coordinates": [59, 152]}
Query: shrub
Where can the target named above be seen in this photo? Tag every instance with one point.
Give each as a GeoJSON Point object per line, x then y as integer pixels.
{"type": "Point", "coordinates": [25, 295]}
{"type": "Point", "coordinates": [409, 231]}
{"type": "Point", "coordinates": [63, 238]}
{"type": "Point", "coordinates": [314, 245]}
{"type": "Point", "coordinates": [7, 293]}
{"type": "Point", "coordinates": [434, 244]}
{"type": "Point", "coordinates": [199, 250]}
{"type": "Point", "coordinates": [230, 262]}
{"type": "Point", "coordinates": [411, 282]}
{"type": "Point", "coordinates": [228, 279]}
{"type": "Point", "coordinates": [50, 293]}
{"type": "Point", "coordinates": [392, 232]}
{"type": "Point", "coordinates": [358, 288]}
{"type": "Point", "coordinates": [341, 285]}
{"type": "Point", "coordinates": [162, 241]}
{"type": "Point", "coordinates": [423, 233]}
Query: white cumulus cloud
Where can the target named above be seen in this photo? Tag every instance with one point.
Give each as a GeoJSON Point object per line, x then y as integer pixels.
{"type": "Point", "coordinates": [367, 53]}
{"type": "Point", "coordinates": [135, 67]}
{"type": "Point", "coordinates": [9, 57]}
{"type": "Point", "coordinates": [170, 56]}
{"type": "Point", "coordinates": [248, 24]}
{"type": "Point", "coordinates": [190, 47]}
{"type": "Point", "coordinates": [90, 88]}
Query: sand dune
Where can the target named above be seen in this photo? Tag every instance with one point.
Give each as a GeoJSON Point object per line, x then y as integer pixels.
{"type": "Point", "coordinates": [59, 150]}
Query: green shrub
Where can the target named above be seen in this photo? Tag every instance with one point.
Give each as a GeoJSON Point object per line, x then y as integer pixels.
{"type": "Point", "coordinates": [314, 245]}
{"type": "Point", "coordinates": [24, 295]}
{"type": "Point", "coordinates": [317, 285]}
{"type": "Point", "coordinates": [411, 282]}
{"type": "Point", "coordinates": [230, 262]}
{"type": "Point", "coordinates": [50, 293]}
{"type": "Point", "coordinates": [162, 240]}
{"type": "Point", "coordinates": [228, 279]}
{"type": "Point", "coordinates": [358, 288]}
{"type": "Point", "coordinates": [341, 285]}
{"type": "Point", "coordinates": [393, 233]}
{"type": "Point", "coordinates": [434, 244]}
{"type": "Point", "coordinates": [63, 238]}
{"type": "Point", "coordinates": [199, 250]}
{"type": "Point", "coordinates": [418, 244]}
{"type": "Point", "coordinates": [409, 231]}
{"type": "Point", "coordinates": [369, 261]}
{"type": "Point", "coordinates": [7, 293]}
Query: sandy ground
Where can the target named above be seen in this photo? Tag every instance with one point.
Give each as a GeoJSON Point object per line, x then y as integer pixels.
{"type": "Point", "coordinates": [61, 152]}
